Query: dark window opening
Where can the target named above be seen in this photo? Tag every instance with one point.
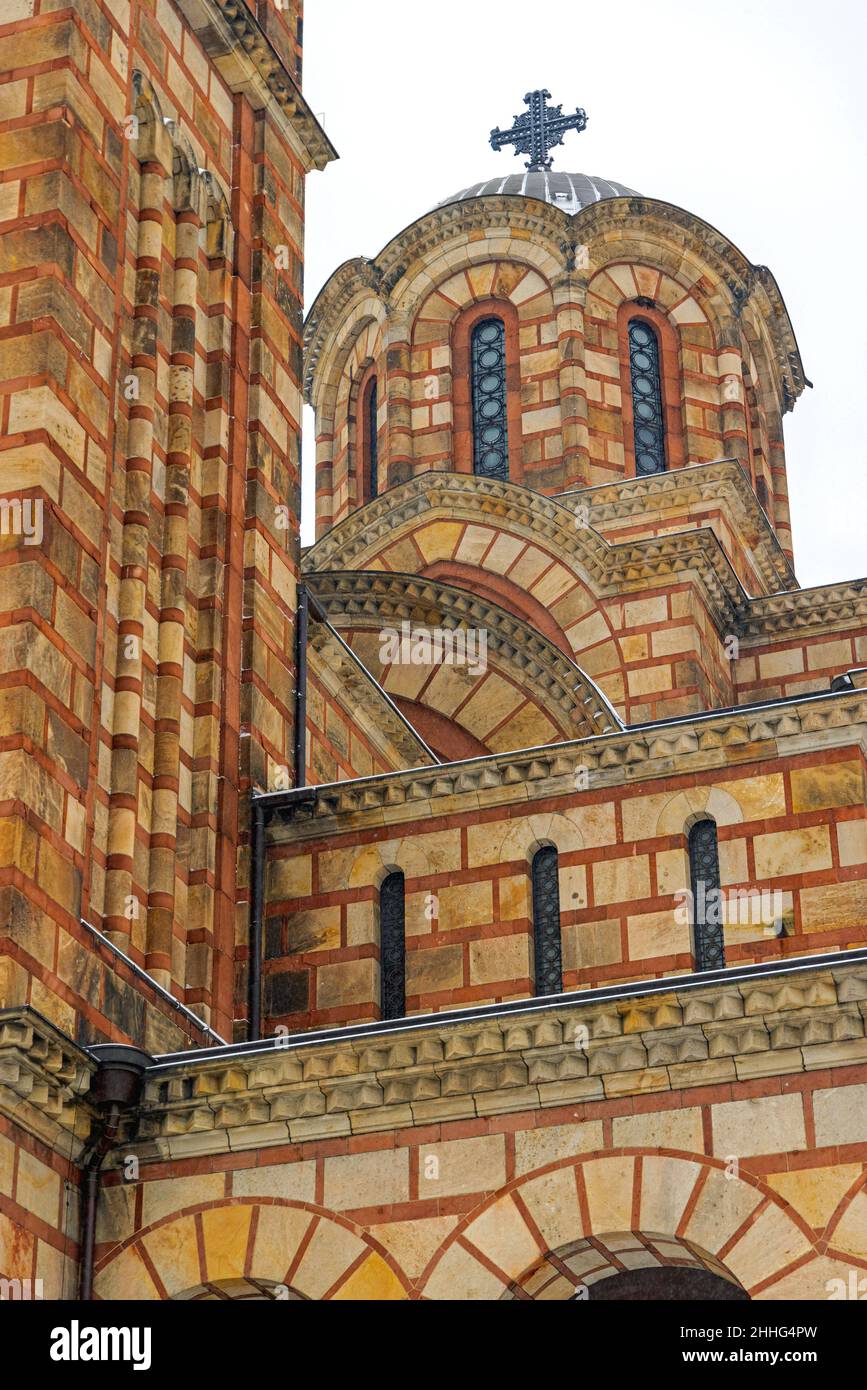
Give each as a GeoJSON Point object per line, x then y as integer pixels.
{"type": "Point", "coordinates": [392, 937]}
{"type": "Point", "coordinates": [546, 921]}
{"type": "Point", "coordinates": [490, 424]}
{"type": "Point", "coordinates": [648, 418]}
{"type": "Point", "coordinates": [707, 906]}
{"type": "Point", "coordinates": [371, 443]}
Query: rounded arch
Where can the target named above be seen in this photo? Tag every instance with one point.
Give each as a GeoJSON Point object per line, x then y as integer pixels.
{"type": "Point", "coordinates": [312, 1251]}
{"type": "Point", "coordinates": [736, 1221]}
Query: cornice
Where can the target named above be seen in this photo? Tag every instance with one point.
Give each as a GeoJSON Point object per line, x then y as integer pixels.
{"type": "Point", "coordinates": [248, 62]}
{"type": "Point", "coordinates": [43, 1077]}
{"type": "Point", "coordinates": [597, 226]}
{"type": "Point", "coordinates": [807, 611]}
{"type": "Point", "coordinates": [723, 479]}
{"type": "Point", "coordinates": [794, 1022]}
{"type": "Point", "coordinates": [610, 569]}
{"type": "Point", "coordinates": [385, 599]}
{"type": "Point", "coordinates": [640, 753]}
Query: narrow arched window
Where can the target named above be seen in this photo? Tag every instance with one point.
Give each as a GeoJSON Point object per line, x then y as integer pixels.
{"type": "Point", "coordinates": [392, 952]}
{"type": "Point", "coordinates": [646, 377]}
{"type": "Point", "coordinates": [370, 455]}
{"type": "Point", "coordinates": [546, 921]}
{"type": "Point", "coordinates": [707, 913]}
{"type": "Point", "coordinates": [488, 375]}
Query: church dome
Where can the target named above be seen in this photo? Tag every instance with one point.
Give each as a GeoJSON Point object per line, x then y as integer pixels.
{"type": "Point", "coordinates": [571, 192]}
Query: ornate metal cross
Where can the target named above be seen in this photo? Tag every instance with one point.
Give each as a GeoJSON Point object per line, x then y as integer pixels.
{"type": "Point", "coordinates": [539, 129]}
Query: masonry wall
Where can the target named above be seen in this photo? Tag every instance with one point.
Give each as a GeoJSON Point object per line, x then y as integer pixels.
{"type": "Point", "coordinates": [150, 369]}
{"type": "Point", "coordinates": [797, 826]}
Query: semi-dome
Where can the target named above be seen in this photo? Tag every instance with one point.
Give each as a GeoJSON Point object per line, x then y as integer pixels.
{"type": "Point", "coordinates": [571, 192]}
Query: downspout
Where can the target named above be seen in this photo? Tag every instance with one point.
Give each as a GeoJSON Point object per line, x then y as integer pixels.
{"type": "Point", "coordinates": [115, 1089]}
{"type": "Point", "coordinates": [301, 687]}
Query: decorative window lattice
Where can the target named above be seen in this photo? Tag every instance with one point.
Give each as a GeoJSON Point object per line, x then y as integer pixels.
{"type": "Point", "coordinates": [391, 947]}
{"type": "Point", "coordinates": [372, 441]}
{"type": "Point", "coordinates": [490, 428]}
{"type": "Point", "coordinates": [546, 921]}
{"type": "Point", "coordinates": [649, 422]}
{"type": "Point", "coordinates": [706, 896]}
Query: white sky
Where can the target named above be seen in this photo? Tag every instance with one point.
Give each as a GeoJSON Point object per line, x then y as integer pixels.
{"type": "Point", "coordinates": [750, 115]}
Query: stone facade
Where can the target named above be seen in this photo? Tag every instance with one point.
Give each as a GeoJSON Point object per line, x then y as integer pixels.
{"type": "Point", "coordinates": [635, 655]}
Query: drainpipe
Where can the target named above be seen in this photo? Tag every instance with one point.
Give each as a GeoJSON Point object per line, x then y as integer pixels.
{"type": "Point", "coordinates": [115, 1089]}
{"type": "Point", "coordinates": [301, 684]}
{"type": "Point", "coordinates": [257, 913]}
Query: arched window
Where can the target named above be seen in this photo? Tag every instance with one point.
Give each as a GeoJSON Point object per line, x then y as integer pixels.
{"type": "Point", "coordinates": [646, 378]}
{"type": "Point", "coordinates": [709, 945]}
{"type": "Point", "coordinates": [488, 376]}
{"type": "Point", "coordinates": [392, 953]}
{"type": "Point", "coordinates": [546, 921]}
{"type": "Point", "coordinates": [370, 441]}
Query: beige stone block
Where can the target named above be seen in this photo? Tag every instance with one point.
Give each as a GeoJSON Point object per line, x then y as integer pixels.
{"type": "Point", "coordinates": [291, 1181]}
{"type": "Point", "coordinates": [760, 798]}
{"type": "Point", "coordinates": [573, 887]}
{"type": "Point", "coordinates": [648, 680]}
{"type": "Point", "coordinates": [436, 969]}
{"type": "Point", "coordinates": [850, 1233]}
{"type": "Point", "coordinates": [7, 1165]}
{"type": "Point", "coordinates": [534, 1148]}
{"type": "Point", "coordinates": [646, 611]}
{"type": "Point", "coordinates": [817, 1280]}
{"type": "Point", "coordinates": [792, 852]}
{"type": "Point", "coordinates": [367, 1179]}
{"type": "Point", "coordinates": [552, 1201]}
{"type": "Point", "coordinates": [852, 842]}
{"type": "Point", "coordinates": [672, 870]}
{"type": "Point", "coordinates": [834, 905]}
{"type": "Point", "coordinates": [841, 1115]}
{"type": "Point", "coordinates": [126, 1279]}
{"type": "Point", "coordinates": [621, 880]}
{"type": "Point", "coordinates": [414, 1243]}
{"type": "Point", "coordinates": [723, 1205]}
{"type": "Point", "coordinates": [458, 1166]}
{"type": "Point", "coordinates": [772, 1242]}
{"type": "Point", "coordinates": [332, 1250]}
{"type": "Point", "coordinates": [821, 656]}
{"type": "Point", "coordinates": [315, 930]}
{"type": "Point", "coordinates": [38, 1188]}
{"type": "Point", "coordinates": [290, 878]}
{"type": "Point", "coordinates": [374, 1281]}
{"type": "Point", "coordinates": [166, 1195]}
{"type": "Point", "coordinates": [660, 1129]}
{"type": "Point", "coordinates": [608, 1183]}
{"type": "Point", "coordinates": [226, 1231]}
{"type": "Point", "coordinates": [502, 1234]}
{"type": "Point", "coordinates": [733, 866]}
{"type": "Point", "coordinates": [586, 944]}
{"type": "Point", "coordinates": [174, 1250]}
{"type": "Point", "coordinates": [657, 934]}
{"type": "Point", "coordinates": [279, 1233]}
{"type": "Point", "coordinates": [438, 540]}
{"type": "Point", "coordinates": [348, 982]}
{"type": "Point", "coordinates": [816, 1192]}
{"type": "Point", "coordinates": [460, 1276]}
{"type": "Point", "coordinates": [666, 1187]}
{"type": "Point", "coordinates": [762, 1125]}
{"type": "Point", "coordinates": [784, 663]}
{"type": "Point", "coordinates": [465, 905]}
{"type": "Point", "coordinates": [500, 958]}
{"type": "Point", "coordinates": [514, 893]}
{"type": "Point", "coordinates": [361, 922]}
{"type": "Point", "coordinates": [818, 788]}
{"type": "Point", "coordinates": [475, 542]}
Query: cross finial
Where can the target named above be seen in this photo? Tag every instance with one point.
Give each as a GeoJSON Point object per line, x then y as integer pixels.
{"type": "Point", "coordinates": [539, 129]}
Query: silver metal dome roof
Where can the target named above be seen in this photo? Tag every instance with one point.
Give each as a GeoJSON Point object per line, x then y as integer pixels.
{"type": "Point", "coordinates": [571, 192]}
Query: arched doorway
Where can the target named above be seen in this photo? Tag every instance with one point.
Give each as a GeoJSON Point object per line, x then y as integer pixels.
{"type": "Point", "coordinates": [627, 1265]}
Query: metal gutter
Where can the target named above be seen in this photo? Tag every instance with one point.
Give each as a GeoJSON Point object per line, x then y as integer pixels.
{"type": "Point", "coordinates": [516, 1007]}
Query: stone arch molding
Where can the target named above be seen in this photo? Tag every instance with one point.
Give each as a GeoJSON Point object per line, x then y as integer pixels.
{"type": "Point", "coordinates": [314, 1253]}
{"type": "Point", "coordinates": [738, 1223]}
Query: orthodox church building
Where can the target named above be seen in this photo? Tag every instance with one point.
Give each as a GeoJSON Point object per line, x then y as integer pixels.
{"type": "Point", "coordinates": [471, 905]}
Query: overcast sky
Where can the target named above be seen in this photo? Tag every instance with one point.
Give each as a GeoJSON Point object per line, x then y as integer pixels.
{"type": "Point", "coordinates": [752, 116]}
